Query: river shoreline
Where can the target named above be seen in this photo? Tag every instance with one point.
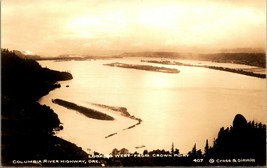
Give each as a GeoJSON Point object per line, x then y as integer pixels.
{"type": "Point", "coordinates": [233, 70]}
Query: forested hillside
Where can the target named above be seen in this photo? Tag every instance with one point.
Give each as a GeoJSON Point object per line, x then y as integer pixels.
{"type": "Point", "coordinates": [27, 126]}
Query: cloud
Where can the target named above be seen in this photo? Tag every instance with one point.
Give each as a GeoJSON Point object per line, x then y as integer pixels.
{"type": "Point", "coordinates": [51, 27]}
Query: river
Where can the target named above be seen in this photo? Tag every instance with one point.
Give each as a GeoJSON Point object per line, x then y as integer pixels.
{"type": "Point", "coordinates": [184, 108]}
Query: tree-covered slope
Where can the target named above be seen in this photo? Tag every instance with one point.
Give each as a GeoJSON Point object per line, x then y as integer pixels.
{"type": "Point", "coordinates": [27, 127]}
{"type": "Point", "coordinates": [25, 79]}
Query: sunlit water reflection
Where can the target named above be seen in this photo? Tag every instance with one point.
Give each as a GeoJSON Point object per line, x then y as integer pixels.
{"type": "Point", "coordinates": [184, 108]}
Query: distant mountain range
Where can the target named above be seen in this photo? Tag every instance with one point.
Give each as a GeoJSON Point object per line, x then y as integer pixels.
{"type": "Point", "coordinates": [248, 56]}
{"type": "Point", "coordinates": [165, 54]}
{"type": "Point", "coordinates": [243, 50]}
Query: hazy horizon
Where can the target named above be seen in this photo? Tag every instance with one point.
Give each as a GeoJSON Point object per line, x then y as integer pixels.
{"type": "Point", "coordinates": [90, 27]}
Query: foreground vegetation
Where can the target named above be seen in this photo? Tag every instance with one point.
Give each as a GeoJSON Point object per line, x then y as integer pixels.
{"type": "Point", "coordinates": [28, 128]}
{"type": "Point", "coordinates": [242, 144]}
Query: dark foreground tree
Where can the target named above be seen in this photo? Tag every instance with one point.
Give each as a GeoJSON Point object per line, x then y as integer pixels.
{"type": "Point", "coordinates": [243, 140]}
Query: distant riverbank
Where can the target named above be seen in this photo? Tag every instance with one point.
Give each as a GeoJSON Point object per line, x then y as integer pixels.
{"type": "Point", "coordinates": [233, 70]}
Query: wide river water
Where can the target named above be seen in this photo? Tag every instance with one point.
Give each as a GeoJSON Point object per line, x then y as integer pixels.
{"type": "Point", "coordinates": [184, 108]}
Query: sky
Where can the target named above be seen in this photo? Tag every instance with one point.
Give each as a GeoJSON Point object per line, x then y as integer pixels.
{"type": "Point", "coordinates": [107, 27]}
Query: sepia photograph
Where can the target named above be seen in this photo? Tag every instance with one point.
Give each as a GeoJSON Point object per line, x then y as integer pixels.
{"type": "Point", "coordinates": [107, 83]}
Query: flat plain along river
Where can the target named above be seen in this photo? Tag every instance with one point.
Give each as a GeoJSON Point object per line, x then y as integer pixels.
{"type": "Point", "coordinates": [151, 110]}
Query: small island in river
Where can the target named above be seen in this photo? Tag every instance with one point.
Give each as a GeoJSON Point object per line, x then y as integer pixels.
{"type": "Point", "coordinates": [83, 110]}
{"type": "Point", "coordinates": [123, 112]}
{"type": "Point", "coordinates": [144, 67]}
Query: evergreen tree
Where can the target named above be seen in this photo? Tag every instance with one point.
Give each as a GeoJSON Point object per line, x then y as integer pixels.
{"type": "Point", "coordinates": [172, 149]}
{"type": "Point", "coordinates": [207, 150]}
